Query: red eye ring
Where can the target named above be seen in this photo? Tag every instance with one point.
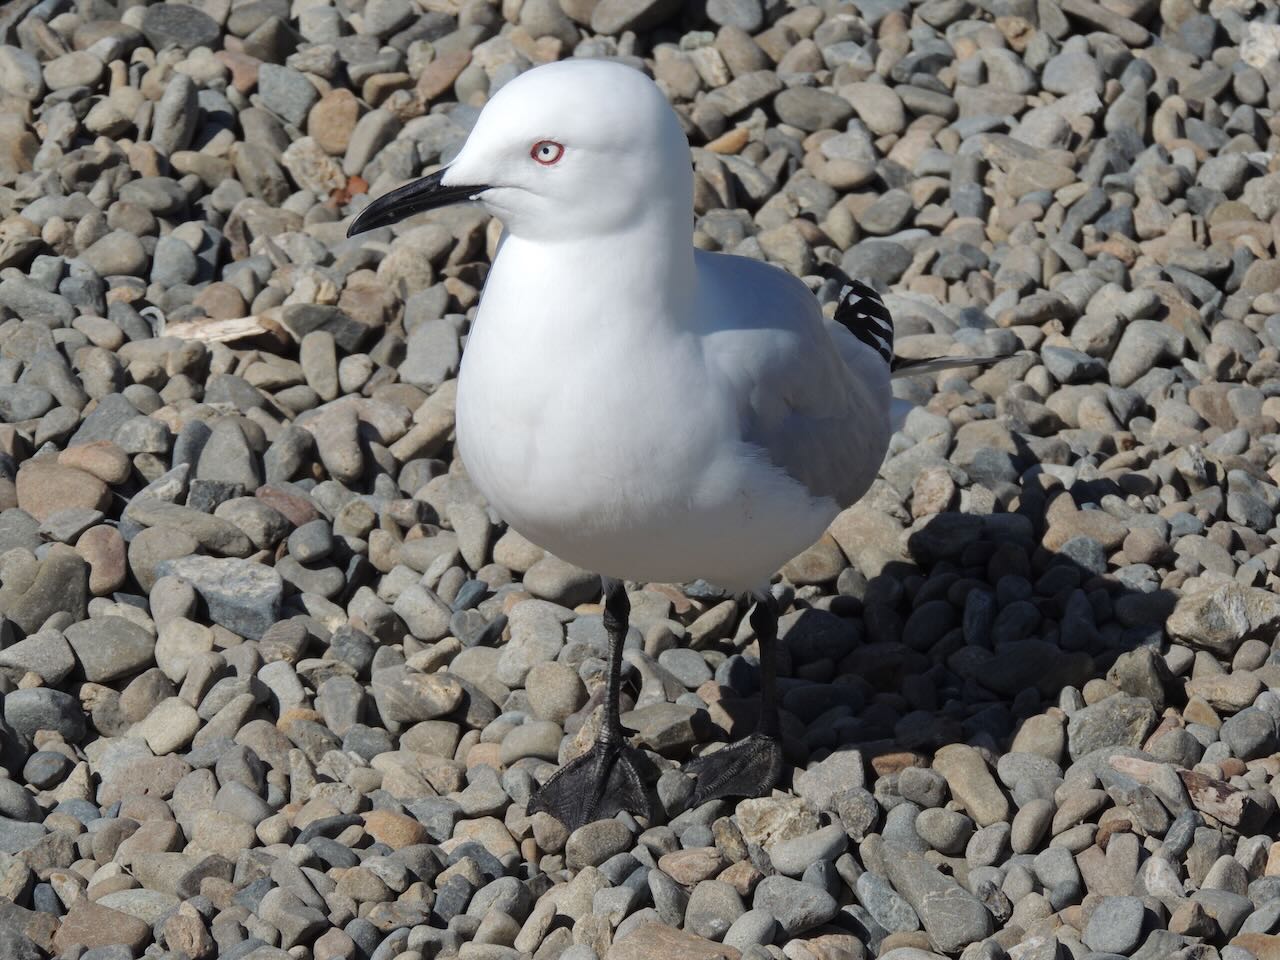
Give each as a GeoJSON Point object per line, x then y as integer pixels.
{"type": "Point", "coordinates": [546, 152]}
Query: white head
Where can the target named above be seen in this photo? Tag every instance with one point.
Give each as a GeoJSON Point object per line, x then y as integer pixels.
{"type": "Point", "coordinates": [566, 151]}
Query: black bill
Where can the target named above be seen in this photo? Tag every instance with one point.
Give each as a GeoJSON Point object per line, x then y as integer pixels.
{"type": "Point", "coordinates": [425, 194]}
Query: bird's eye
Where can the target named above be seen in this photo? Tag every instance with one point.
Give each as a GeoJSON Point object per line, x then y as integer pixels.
{"type": "Point", "coordinates": [547, 152]}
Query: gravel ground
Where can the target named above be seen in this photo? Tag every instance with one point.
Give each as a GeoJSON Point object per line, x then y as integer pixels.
{"type": "Point", "coordinates": [277, 683]}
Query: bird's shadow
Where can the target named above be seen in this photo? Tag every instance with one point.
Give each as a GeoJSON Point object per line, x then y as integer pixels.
{"type": "Point", "coordinates": [981, 627]}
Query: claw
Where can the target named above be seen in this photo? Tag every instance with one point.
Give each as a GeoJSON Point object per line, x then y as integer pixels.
{"type": "Point", "coordinates": [607, 778]}
{"type": "Point", "coordinates": [747, 768]}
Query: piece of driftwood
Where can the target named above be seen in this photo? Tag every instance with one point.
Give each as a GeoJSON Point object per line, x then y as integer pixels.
{"type": "Point", "coordinates": [220, 331]}
{"type": "Point", "coordinates": [1213, 798]}
{"type": "Point", "coordinates": [1220, 800]}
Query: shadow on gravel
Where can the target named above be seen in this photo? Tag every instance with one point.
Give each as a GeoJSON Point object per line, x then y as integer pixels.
{"type": "Point", "coordinates": [981, 629]}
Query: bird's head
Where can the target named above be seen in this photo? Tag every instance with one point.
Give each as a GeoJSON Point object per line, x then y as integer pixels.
{"type": "Point", "coordinates": [566, 151]}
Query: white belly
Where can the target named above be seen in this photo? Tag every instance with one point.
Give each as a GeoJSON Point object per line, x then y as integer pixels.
{"type": "Point", "coordinates": [578, 454]}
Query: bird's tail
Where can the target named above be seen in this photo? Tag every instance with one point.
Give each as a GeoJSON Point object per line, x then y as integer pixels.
{"type": "Point", "coordinates": [901, 367]}
{"type": "Point", "coordinates": [862, 313]}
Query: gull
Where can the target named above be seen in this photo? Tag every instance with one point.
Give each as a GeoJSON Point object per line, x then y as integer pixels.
{"type": "Point", "coordinates": [642, 408]}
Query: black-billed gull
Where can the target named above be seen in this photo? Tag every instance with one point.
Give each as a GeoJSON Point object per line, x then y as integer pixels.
{"type": "Point", "coordinates": [642, 408]}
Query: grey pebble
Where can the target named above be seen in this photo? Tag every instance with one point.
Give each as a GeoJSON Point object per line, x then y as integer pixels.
{"type": "Point", "coordinates": [795, 906]}
{"type": "Point", "coordinates": [1115, 925]}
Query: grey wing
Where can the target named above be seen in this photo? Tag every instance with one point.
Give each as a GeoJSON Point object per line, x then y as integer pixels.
{"type": "Point", "coordinates": [834, 457]}
{"type": "Point", "coordinates": [813, 396]}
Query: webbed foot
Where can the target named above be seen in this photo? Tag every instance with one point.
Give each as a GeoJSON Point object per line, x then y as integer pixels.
{"type": "Point", "coordinates": [746, 768]}
{"type": "Point", "coordinates": [609, 777]}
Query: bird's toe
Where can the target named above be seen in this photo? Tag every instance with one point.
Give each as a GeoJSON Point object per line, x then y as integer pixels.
{"type": "Point", "coordinates": [608, 778]}
{"type": "Point", "coordinates": [746, 768]}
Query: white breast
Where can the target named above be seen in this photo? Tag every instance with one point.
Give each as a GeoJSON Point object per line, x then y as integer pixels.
{"type": "Point", "coordinates": [618, 453]}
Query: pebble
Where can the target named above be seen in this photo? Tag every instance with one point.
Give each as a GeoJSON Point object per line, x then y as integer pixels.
{"type": "Point", "coordinates": [753, 927]}
{"type": "Point", "coordinates": [45, 653]}
{"type": "Point", "coordinates": [1115, 926]}
{"type": "Point", "coordinates": [1250, 734]}
{"type": "Point", "coordinates": [971, 783]}
{"type": "Point", "coordinates": [945, 830]}
{"type": "Point", "coordinates": [404, 696]}
{"type": "Point", "coordinates": [1116, 721]}
{"type": "Point", "coordinates": [692, 866]}
{"type": "Point", "coordinates": [88, 924]}
{"type": "Point", "coordinates": [951, 915]}
{"type": "Point", "coordinates": [44, 488]}
{"type": "Point", "coordinates": [821, 783]}
{"type": "Point", "coordinates": [712, 909]}
{"type": "Point", "coordinates": [241, 595]}
{"type": "Point", "coordinates": [555, 691]}
{"type": "Point", "coordinates": [107, 648]}
{"type": "Point", "coordinates": [286, 92]}
{"type": "Point", "coordinates": [432, 354]}
{"type": "Point", "coordinates": [793, 904]}
{"type": "Point", "coordinates": [811, 109]}
{"type": "Point", "coordinates": [792, 857]}
{"type": "Point", "coordinates": [650, 938]}
{"type": "Point", "coordinates": [180, 26]}
{"type": "Point", "coordinates": [594, 843]}
{"type": "Point", "coordinates": [1030, 825]}
{"type": "Point", "coordinates": [40, 708]}
{"type": "Point", "coordinates": [550, 578]}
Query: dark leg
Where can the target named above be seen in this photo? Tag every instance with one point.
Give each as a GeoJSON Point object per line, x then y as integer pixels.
{"type": "Point", "coordinates": [608, 777]}
{"type": "Point", "coordinates": [748, 767]}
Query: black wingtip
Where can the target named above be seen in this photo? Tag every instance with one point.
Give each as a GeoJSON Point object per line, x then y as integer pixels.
{"type": "Point", "coordinates": [861, 311]}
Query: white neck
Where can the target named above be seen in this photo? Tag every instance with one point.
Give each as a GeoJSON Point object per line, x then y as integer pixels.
{"type": "Point", "coordinates": [650, 264]}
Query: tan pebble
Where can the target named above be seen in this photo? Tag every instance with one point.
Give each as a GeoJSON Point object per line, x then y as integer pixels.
{"type": "Point", "coordinates": [396, 830]}
{"type": "Point", "coordinates": [103, 548]}
{"type": "Point", "coordinates": [45, 487]}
